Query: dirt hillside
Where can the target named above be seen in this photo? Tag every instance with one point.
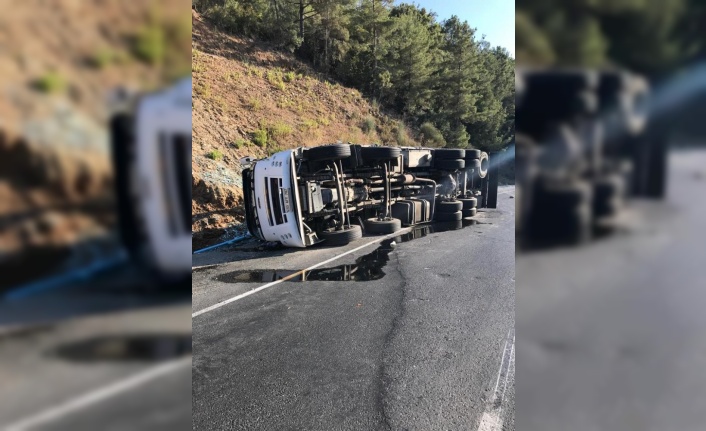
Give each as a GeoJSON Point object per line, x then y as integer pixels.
{"type": "Point", "coordinates": [252, 100]}
{"type": "Point", "coordinates": [59, 59]}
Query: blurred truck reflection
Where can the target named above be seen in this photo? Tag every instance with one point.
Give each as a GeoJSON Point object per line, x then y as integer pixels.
{"type": "Point", "coordinates": [582, 148]}
{"type": "Point", "coordinates": [151, 152]}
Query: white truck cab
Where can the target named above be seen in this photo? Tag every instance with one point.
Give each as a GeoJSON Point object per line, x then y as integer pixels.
{"type": "Point", "coordinates": [277, 198]}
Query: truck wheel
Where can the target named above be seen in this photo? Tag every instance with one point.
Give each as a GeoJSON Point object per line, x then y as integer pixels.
{"type": "Point", "coordinates": [449, 207]}
{"type": "Point", "coordinates": [449, 154]}
{"type": "Point", "coordinates": [608, 195]}
{"type": "Point", "coordinates": [384, 227]}
{"type": "Point", "coordinates": [380, 153]}
{"type": "Point", "coordinates": [556, 195]}
{"type": "Point", "coordinates": [343, 236]}
{"type": "Point", "coordinates": [328, 152]}
{"type": "Point", "coordinates": [450, 164]}
{"type": "Point", "coordinates": [455, 216]}
{"type": "Point", "coordinates": [475, 164]}
{"type": "Point", "coordinates": [484, 162]}
{"type": "Point", "coordinates": [472, 155]}
{"type": "Point", "coordinates": [470, 212]}
{"type": "Point", "coordinates": [469, 203]}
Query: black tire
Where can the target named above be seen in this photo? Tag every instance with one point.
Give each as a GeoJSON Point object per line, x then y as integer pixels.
{"type": "Point", "coordinates": [473, 164]}
{"type": "Point", "coordinates": [554, 195]}
{"type": "Point", "coordinates": [469, 203]}
{"type": "Point", "coordinates": [484, 162]}
{"type": "Point", "coordinates": [458, 215]}
{"type": "Point", "coordinates": [343, 236]}
{"type": "Point", "coordinates": [380, 153]}
{"type": "Point", "coordinates": [450, 164]}
{"type": "Point", "coordinates": [608, 196]}
{"type": "Point", "coordinates": [609, 187]}
{"type": "Point", "coordinates": [472, 155]}
{"type": "Point", "coordinates": [448, 206]}
{"type": "Point", "coordinates": [328, 152]}
{"type": "Point", "coordinates": [382, 227]}
{"type": "Point", "coordinates": [449, 154]}
{"type": "Point", "coordinates": [470, 212]}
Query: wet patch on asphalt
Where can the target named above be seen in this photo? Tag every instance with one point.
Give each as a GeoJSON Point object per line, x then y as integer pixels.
{"type": "Point", "coordinates": [366, 268]}
{"type": "Point", "coordinates": [119, 348]}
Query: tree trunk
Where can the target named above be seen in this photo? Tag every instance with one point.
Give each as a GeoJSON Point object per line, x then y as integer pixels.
{"type": "Point", "coordinates": [301, 19]}
{"type": "Point", "coordinates": [375, 57]}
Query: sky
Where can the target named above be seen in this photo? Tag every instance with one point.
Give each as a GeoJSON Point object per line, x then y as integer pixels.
{"type": "Point", "coordinates": [493, 18]}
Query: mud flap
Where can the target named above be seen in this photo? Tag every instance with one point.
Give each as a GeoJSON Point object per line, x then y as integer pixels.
{"type": "Point", "coordinates": [122, 144]}
{"type": "Point", "coordinates": [657, 168]}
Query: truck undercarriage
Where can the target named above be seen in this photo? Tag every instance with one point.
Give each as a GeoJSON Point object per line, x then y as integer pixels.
{"type": "Point", "coordinates": [334, 193]}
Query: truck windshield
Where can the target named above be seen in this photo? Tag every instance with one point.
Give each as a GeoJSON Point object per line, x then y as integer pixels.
{"type": "Point", "coordinates": [274, 201]}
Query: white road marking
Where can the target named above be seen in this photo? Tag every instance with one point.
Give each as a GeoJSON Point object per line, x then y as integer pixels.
{"type": "Point", "coordinates": [491, 419]}
{"type": "Point", "coordinates": [95, 396]}
{"type": "Point", "coordinates": [296, 274]}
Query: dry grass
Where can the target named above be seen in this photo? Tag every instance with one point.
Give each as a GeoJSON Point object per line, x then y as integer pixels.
{"type": "Point", "coordinates": [273, 101]}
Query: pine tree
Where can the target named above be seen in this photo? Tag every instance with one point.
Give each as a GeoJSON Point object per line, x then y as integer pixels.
{"type": "Point", "coordinates": [409, 64]}
{"type": "Point", "coordinates": [458, 77]}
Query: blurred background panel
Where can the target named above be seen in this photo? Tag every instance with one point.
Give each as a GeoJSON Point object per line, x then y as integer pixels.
{"type": "Point", "coordinates": [611, 166]}
{"type": "Point", "coordinates": [83, 311]}
{"type": "Point", "coordinates": [59, 63]}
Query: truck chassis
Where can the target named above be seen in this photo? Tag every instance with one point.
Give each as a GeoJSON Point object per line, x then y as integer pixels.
{"type": "Point", "coordinates": [334, 193]}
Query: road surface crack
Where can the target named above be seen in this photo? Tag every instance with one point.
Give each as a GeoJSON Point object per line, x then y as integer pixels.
{"type": "Point", "coordinates": [384, 380]}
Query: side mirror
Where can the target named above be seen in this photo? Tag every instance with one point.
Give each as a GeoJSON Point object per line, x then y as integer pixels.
{"type": "Point", "coordinates": [246, 162]}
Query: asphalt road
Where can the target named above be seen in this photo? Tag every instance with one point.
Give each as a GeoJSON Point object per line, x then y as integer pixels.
{"type": "Point", "coordinates": [611, 336]}
{"type": "Point", "coordinates": [103, 354]}
{"type": "Point", "coordinates": [405, 336]}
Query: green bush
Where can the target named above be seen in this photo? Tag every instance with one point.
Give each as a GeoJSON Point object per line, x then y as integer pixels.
{"type": "Point", "coordinates": [214, 155]}
{"type": "Point", "coordinates": [375, 105]}
{"type": "Point", "coordinates": [103, 58]}
{"type": "Point", "coordinates": [308, 124]}
{"type": "Point", "coordinates": [257, 71]}
{"type": "Point", "coordinates": [279, 129]}
{"type": "Point", "coordinates": [52, 82]}
{"type": "Point", "coordinates": [149, 45]}
{"type": "Point", "coordinates": [240, 143]}
{"type": "Point", "coordinates": [323, 120]}
{"type": "Point", "coordinates": [202, 89]}
{"type": "Point", "coordinates": [289, 76]}
{"type": "Point", "coordinates": [259, 137]}
{"type": "Point", "coordinates": [274, 77]}
{"type": "Point", "coordinates": [431, 135]}
{"type": "Point", "coordinates": [368, 125]}
{"type": "Point", "coordinates": [255, 104]}
{"type": "Point", "coordinates": [401, 134]}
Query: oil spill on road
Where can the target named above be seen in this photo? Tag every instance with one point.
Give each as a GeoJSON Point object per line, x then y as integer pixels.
{"type": "Point", "coordinates": [140, 347]}
{"type": "Point", "coordinates": [366, 268]}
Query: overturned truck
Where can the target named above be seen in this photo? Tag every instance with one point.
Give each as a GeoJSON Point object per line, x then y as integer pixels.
{"type": "Point", "coordinates": [583, 148]}
{"type": "Point", "coordinates": [335, 193]}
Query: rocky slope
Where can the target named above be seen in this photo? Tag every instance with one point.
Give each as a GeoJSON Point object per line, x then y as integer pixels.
{"type": "Point", "coordinates": [252, 100]}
